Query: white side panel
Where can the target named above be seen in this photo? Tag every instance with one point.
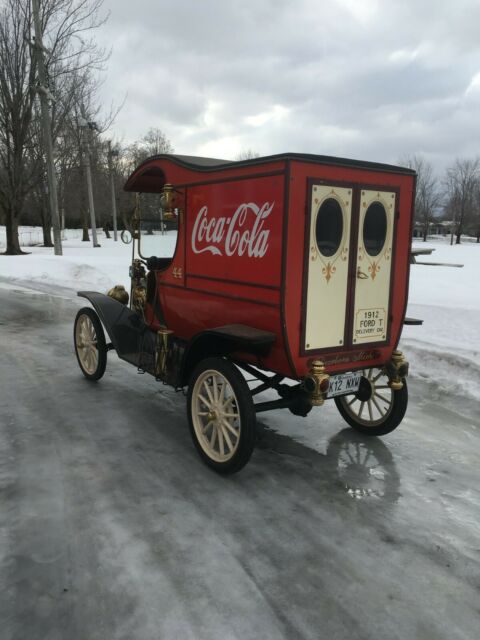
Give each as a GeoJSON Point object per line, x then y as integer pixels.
{"type": "Point", "coordinates": [327, 276]}
{"type": "Point", "coordinates": [372, 288]}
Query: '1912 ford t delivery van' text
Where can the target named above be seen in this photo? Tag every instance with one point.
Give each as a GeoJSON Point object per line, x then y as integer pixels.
{"type": "Point", "coordinates": [291, 268]}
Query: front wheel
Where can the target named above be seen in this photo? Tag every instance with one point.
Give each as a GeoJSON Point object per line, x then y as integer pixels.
{"type": "Point", "coordinates": [375, 409]}
{"type": "Point", "coordinates": [221, 415]}
{"type": "Point", "coordinates": [90, 346]}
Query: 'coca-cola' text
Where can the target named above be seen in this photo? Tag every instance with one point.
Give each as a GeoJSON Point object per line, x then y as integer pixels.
{"type": "Point", "coordinates": [234, 235]}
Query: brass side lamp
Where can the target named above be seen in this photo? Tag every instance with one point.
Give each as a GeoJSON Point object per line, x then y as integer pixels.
{"type": "Point", "coordinates": [167, 200]}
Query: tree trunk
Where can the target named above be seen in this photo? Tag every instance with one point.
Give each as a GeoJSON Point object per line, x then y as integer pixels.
{"type": "Point", "coordinates": [13, 243]}
{"type": "Point", "coordinates": [47, 235]}
{"type": "Point", "coordinates": [107, 233]}
{"type": "Point", "coordinates": [46, 227]}
{"type": "Point", "coordinates": [85, 236]}
{"type": "Point", "coordinates": [424, 234]}
{"type": "Point", "coordinates": [83, 206]}
{"type": "Point", "coordinates": [457, 241]}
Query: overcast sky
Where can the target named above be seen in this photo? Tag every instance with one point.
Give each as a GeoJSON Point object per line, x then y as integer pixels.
{"type": "Point", "coordinates": [366, 79]}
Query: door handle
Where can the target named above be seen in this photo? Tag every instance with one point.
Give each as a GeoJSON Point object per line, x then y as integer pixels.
{"type": "Point", "coordinates": [361, 275]}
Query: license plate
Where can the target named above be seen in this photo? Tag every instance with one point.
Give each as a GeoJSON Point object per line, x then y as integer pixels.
{"type": "Point", "coordinates": [344, 383]}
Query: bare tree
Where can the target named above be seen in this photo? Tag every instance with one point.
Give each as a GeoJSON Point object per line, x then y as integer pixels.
{"type": "Point", "coordinates": [66, 25]}
{"type": "Point", "coordinates": [428, 196]}
{"type": "Point", "coordinates": [153, 143]}
{"type": "Point", "coordinates": [461, 181]}
{"type": "Point", "coordinates": [17, 95]}
{"type": "Point", "coordinates": [247, 154]}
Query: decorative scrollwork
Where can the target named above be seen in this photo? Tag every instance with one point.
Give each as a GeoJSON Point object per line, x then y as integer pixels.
{"type": "Point", "coordinates": [374, 268]}
{"type": "Point", "coordinates": [328, 270]}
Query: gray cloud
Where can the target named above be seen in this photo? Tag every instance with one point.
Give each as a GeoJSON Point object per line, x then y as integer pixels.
{"type": "Point", "coordinates": [360, 78]}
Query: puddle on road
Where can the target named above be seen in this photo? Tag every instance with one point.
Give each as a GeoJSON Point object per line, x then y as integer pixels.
{"type": "Point", "coordinates": [363, 468]}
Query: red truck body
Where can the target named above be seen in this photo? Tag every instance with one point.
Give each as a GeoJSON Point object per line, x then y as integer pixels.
{"type": "Point", "coordinates": [246, 254]}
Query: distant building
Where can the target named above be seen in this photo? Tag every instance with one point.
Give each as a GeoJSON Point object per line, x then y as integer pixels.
{"type": "Point", "coordinates": [435, 228]}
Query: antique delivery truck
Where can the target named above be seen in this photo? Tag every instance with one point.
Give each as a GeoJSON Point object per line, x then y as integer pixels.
{"type": "Point", "coordinates": [292, 269]}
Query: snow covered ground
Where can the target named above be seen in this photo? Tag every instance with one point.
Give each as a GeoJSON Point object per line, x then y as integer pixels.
{"type": "Point", "coordinates": [80, 267]}
{"type": "Point", "coordinates": [445, 349]}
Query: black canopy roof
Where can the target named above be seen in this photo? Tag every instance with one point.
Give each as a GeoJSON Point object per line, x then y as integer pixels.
{"type": "Point", "coordinates": [212, 164]}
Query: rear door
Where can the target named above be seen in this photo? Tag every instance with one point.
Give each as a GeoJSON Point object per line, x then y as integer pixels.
{"type": "Point", "coordinates": [373, 267]}
{"type": "Point", "coordinates": [327, 272]}
{"type": "Point", "coordinates": [348, 268]}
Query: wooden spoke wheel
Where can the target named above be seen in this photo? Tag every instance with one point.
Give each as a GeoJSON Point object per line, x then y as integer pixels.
{"type": "Point", "coordinates": [375, 409]}
{"type": "Point", "coordinates": [221, 415]}
{"type": "Point", "coordinates": [90, 346]}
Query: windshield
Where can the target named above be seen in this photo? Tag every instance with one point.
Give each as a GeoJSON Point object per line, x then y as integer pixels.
{"type": "Point", "coordinates": [158, 228]}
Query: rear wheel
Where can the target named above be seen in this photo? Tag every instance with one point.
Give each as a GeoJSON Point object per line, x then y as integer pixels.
{"type": "Point", "coordinates": [221, 415]}
{"type": "Point", "coordinates": [90, 345]}
{"type": "Point", "coordinates": [375, 409]}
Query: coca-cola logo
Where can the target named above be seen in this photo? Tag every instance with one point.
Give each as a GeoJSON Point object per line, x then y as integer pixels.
{"type": "Point", "coordinates": [235, 235]}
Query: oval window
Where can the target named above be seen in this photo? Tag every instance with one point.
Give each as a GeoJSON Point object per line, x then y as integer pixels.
{"type": "Point", "coordinates": [329, 227]}
{"type": "Point", "coordinates": [375, 229]}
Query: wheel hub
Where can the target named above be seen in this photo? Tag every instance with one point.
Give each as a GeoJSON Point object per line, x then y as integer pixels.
{"type": "Point", "coordinates": [212, 415]}
{"type": "Point", "coordinates": [365, 390]}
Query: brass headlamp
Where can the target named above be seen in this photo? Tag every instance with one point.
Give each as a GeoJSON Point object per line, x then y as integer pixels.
{"type": "Point", "coordinates": [119, 294]}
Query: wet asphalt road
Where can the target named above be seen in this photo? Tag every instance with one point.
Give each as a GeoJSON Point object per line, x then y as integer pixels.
{"type": "Point", "coordinates": [111, 527]}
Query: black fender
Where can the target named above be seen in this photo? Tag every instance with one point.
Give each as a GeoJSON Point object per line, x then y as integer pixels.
{"type": "Point", "coordinates": [131, 338]}
{"type": "Point", "coordinates": [223, 341]}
